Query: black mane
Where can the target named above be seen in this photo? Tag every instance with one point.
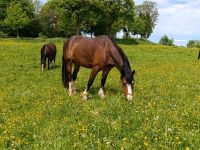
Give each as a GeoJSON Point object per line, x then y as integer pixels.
{"type": "Point", "coordinates": [126, 68]}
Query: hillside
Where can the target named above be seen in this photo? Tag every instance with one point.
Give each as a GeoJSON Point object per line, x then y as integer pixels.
{"type": "Point", "coordinates": [37, 113]}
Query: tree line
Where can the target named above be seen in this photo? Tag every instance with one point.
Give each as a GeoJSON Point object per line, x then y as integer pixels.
{"type": "Point", "coordinates": [165, 40]}
{"type": "Point", "coordinates": [64, 18]}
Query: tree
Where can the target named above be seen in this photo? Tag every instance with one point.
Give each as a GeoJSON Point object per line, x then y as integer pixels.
{"type": "Point", "coordinates": [116, 15]}
{"type": "Point", "coordinates": [37, 6]}
{"type": "Point", "coordinates": [16, 18]}
{"type": "Point", "coordinates": [3, 6]}
{"type": "Point", "coordinates": [166, 41]}
{"type": "Point", "coordinates": [77, 9]}
{"type": "Point", "coordinates": [99, 17]}
{"type": "Point", "coordinates": [193, 43]}
{"type": "Point", "coordinates": [146, 16]}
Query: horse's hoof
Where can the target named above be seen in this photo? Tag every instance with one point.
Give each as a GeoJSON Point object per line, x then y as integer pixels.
{"type": "Point", "coordinates": [101, 93]}
{"type": "Point", "coordinates": [102, 96]}
{"type": "Point", "coordinates": [85, 97]}
{"type": "Point", "coordinates": [70, 93]}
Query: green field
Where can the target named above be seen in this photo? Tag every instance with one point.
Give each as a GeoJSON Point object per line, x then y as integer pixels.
{"type": "Point", "coordinates": [36, 112]}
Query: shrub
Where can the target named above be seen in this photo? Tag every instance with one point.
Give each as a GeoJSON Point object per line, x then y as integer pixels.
{"type": "Point", "coordinates": [193, 43]}
{"type": "Point", "coordinates": [166, 41]}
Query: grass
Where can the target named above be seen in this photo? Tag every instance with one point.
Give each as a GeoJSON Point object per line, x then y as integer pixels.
{"type": "Point", "coordinates": [36, 112]}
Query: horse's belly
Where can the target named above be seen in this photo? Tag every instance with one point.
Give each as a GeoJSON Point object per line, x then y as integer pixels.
{"type": "Point", "coordinates": [84, 62]}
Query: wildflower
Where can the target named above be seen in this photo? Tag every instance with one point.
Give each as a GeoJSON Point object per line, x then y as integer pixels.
{"type": "Point", "coordinates": [187, 148]}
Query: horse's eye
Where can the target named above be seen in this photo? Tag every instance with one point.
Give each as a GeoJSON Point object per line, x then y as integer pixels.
{"type": "Point", "coordinates": [124, 83]}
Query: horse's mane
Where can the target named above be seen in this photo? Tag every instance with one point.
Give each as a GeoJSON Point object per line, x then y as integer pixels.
{"type": "Point", "coordinates": [126, 69]}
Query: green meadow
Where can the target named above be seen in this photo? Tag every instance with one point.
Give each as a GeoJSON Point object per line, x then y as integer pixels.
{"type": "Point", "coordinates": [37, 113]}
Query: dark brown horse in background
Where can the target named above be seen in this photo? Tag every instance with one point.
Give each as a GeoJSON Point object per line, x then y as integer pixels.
{"type": "Point", "coordinates": [100, 54]}
{"type": "Point", "coordinates": [48, 51]}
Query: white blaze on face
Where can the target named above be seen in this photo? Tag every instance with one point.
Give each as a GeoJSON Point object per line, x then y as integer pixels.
{"type": "Point", "coordinates": [129, 94]}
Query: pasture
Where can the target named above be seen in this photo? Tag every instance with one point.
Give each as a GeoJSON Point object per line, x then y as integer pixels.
{"type": "Point", "coordinates": [37, 113]}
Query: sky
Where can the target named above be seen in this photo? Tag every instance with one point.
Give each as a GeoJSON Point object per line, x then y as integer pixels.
{"type": "Point", "coordinates": [178, 19]}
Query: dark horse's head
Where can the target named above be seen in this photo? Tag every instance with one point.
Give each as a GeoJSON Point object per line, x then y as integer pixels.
{"type": "Point", "coordinates": [43, 57]}
{"type": "Point", "coordinates": [127, 79]}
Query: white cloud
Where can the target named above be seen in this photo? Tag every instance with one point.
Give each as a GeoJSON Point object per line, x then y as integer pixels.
{"type": "Point", "coordinates": [178, 19]}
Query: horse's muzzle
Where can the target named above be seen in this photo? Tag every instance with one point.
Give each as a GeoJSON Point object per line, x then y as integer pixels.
{"type": "Point", "coordinates": [129, 97]}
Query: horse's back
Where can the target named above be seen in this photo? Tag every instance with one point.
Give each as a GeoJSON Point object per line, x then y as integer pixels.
{"type": "Point", "coordinates": [87, 52]}
{"type": "Point", "coordinates": [51, 49]}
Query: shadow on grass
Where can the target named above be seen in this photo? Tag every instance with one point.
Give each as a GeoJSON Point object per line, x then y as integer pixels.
{"type": "Point", "coordinates": [54, 66]}
{"type": "Point", "coordinates": [134, 42]}
{"type": "Point", "coordinates": [127, 41]}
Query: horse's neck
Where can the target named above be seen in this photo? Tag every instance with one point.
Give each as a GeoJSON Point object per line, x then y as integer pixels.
{"type": "Point", "coordinates": [123, 65]}
{"type": "Point", "coordinates": [119, 60]}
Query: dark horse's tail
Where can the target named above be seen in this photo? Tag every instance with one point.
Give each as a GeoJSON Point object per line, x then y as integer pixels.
{"type": "Point", "coordinates": [43, 57]}
{"type": "Point", "coordinates": [64, 73]}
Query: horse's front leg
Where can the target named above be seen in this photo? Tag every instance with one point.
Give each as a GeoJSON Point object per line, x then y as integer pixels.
{"type": "Point", "coordinates": [90, 82]}
{"type": "Point", "coordinates": [103, 81]}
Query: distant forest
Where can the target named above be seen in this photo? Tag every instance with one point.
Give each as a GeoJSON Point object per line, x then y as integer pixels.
{"type": "Point", "coordinates": [64, 18]}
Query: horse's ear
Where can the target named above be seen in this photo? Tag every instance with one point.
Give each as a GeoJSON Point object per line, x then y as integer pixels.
{"type": "Point", "coordinates": [133, 72]}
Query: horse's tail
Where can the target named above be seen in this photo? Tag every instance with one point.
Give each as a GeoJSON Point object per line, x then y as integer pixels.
{"type": "Point", "coordinates": [64, 73]}
{"type": "Point", "coordinates": [55, 53]}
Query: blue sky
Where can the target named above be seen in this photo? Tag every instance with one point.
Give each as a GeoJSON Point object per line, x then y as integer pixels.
{"type": "Point", "coordinates": [178, 19]}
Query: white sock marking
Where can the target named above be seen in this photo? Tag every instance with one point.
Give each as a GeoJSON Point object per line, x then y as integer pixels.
{"type": "Point", "coordinates": [70, 88]}
{"type": "Point", "coordinates": [101, 93]}
{"type": "Point", "coordinates": [85, 93]}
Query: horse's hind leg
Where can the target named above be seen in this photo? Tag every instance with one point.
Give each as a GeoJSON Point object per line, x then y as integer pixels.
{"type": "Point", "coordinates": [90, 82]}
{"type": "Point", "coordinates": [103, 81]}
{"type": "Point", "coordinates": [48, 63]}
{"type": "Point", "coordinates": [54, 59]}
{"type": "Point", "coordinates": [69, 76]}
{"type": "Point", "coordinates": [74, 76]}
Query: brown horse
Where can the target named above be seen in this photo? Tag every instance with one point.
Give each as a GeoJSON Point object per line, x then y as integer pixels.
{"type": "Point", "coordinates": [100, 54]}
{"type": "Point", "coordinates": [48, 51]}
{"type": "Point", "coordinates": [199, 55]}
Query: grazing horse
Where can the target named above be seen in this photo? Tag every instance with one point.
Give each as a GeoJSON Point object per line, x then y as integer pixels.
{"type": "Point", "coordinates": [100, 54]}
{"type": "Point", "coordinates": [199, 55]}
{"type": "Point", "coordinates": [48, 51]}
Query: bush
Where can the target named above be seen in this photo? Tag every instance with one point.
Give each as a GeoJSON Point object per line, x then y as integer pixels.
{"type": "Point", "coordinates": [193, 43]}
{"type": "Point", "coordinates": [166, 41]}
{"type": "Point", "coordinates": [3, 35]}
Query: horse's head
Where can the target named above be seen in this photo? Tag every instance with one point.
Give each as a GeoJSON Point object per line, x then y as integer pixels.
{"type": "Point", "coordinates": [127, 84]}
